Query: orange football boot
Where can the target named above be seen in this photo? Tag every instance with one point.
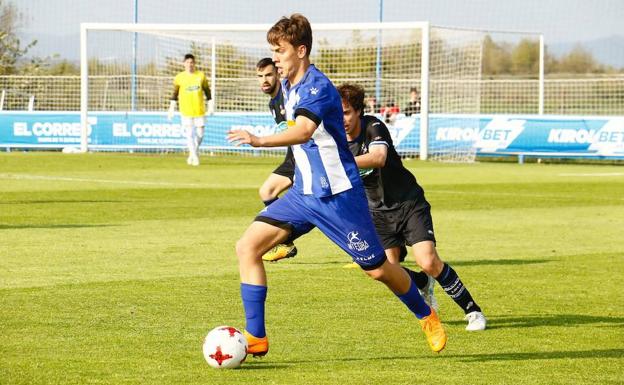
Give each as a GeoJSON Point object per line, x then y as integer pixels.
{"type": "Point", "coordinates": [257, 347]}
{"type": "Point", "coordinates": [436, 336]}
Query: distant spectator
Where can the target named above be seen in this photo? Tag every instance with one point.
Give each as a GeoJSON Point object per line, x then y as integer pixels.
{"type": "Point", "coordinates": [389, 112]}
{"type": "Point", "coordinates": [413, 106]}
{"type": "Point", "coordinates": [372, 107]}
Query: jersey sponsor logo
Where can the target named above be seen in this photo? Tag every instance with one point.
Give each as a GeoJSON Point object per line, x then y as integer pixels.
{"type": "Point", "coordinates": [365, 259]}
{"type": "Point", "coordinates": [324, 183]}
{"type": "Point", "coordinates": [192, 88]}
{"type": "Point", "coordinates": [355, 243]}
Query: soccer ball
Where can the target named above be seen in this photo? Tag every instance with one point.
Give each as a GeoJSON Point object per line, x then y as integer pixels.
{"type": "Point", "coordinates": [225, 347]}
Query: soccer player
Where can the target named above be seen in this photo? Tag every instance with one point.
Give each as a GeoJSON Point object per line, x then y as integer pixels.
{"type": "Point", "coordinates": [189, 88]}
{"type": "Point", "coordinates": [282, 177]}
{"type": "Point", "coordinates": [327, 190]}
{"type": "Point", "coordinates": [398, 206]}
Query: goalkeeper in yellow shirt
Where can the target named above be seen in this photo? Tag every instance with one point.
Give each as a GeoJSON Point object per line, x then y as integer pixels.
{"type": "Point", "coordinates": [189, 88]}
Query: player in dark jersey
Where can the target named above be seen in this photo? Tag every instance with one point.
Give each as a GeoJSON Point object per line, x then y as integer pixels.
{"type": "Point", "coordinates": [397, 203]}
{"type": "Point", "coordinates": [282, 177]}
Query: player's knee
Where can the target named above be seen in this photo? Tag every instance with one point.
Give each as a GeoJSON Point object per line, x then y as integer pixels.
{"type": "Point", "coordinates": [266, 192]}
{"type": "Point", "coordinates": [430, 263]}
{"type": "Point", "coordinates": [243, 250]}
{"type": "Point", "coordinates": [377, 275]}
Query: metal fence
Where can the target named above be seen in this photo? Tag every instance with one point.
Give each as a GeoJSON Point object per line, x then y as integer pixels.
{"type": "Point", "coordinates": [583, 96]}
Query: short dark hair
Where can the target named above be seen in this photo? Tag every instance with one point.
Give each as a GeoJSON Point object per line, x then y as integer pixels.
{"type": "Point", "coordinates": [294, 29]}
{"type": "Point", "coordinates": [354, 95]}
{"type": "Point", "coordinates": [267, 61]}
{"type": "Point", "coordinates": [414, 89]}
{"type": "Point", "coordinates": [189, 56]}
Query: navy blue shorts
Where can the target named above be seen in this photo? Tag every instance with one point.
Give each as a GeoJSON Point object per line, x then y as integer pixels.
{"type": "Point", "coordinates": [344, 218]}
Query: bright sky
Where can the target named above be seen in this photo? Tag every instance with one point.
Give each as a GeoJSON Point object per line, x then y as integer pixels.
{"type": "Point", "coordinates": [559, 20]}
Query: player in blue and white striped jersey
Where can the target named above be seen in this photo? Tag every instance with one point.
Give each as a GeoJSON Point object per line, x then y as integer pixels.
{"type": "Point", "coordinates": [327, 192]}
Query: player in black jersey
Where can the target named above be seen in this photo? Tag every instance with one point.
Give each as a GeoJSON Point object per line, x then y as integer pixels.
{"type": "Point", "coordinates": [282, 177]}
{"type": "Point", "coordinates": [397, 203]}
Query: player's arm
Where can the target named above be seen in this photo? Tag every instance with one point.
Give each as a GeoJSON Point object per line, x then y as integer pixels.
{"type": "Point", "coordinates": [375, 158]}
{"type": "Point", "coordinates": [209, 101]}
{"type": "Point", "coordinates": [173, 100]}
{"type": "Point", "coordinates": [206, 89]}
{"type": "Point", "coordinates": [299, 133]}
{"type": "Point", "coordinates": [379, 139]}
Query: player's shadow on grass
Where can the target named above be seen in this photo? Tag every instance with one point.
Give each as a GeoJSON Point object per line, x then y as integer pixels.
{"type": "Point", "coordinates": [598, 353]}
{"type": "Point", "coordinates": [55, 201]}
{"type": "Point", "coordinates": [528, 321]}
{"type": "Point", "coordinates": [410, 262]}
{"type": "Point", "coordinates": [509, 356]}
{"type": "Point", "coordinates": [494, 262]}
{"type": "Point", "coordinates": [43, 226]}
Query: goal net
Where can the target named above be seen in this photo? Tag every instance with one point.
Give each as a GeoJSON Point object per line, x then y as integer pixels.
{"type": "Point", "coordinates": [128, 72]}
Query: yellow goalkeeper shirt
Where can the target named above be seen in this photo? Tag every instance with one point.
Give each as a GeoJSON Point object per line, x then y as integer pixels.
{"type": "Point", "coordinates": [191, 88]}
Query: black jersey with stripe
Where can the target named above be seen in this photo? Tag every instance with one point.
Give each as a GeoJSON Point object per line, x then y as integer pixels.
{"type": "Point", "coordinates": [390, 186]}
{"type": "Point", "coordinates": [276, 105]}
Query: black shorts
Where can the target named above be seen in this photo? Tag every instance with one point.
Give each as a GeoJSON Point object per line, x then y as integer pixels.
{"type": "Point", "coordinates": [408, 224]}
{"type": "Point", "coordinates": [287, 168]}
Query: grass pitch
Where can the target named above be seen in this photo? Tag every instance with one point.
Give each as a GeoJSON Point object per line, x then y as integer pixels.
{"type": "Point", "coordinates": [113, 267]}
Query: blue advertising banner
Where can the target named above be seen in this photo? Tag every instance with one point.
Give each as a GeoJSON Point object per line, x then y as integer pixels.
{"type": "Point", "coordinates": [489, 134]}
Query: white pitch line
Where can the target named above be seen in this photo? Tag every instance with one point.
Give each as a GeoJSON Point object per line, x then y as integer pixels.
{"type": "Point", "coordinates": [116, 181]}
{"type": "Point", "coordinates": [593, 174]}
{"type": "Point", "coordinates": [499, 193]}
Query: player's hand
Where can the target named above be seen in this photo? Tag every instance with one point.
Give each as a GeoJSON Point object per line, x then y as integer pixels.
{"type": "Point", "coordinates": [239, 137]}
{"type": "Point", "coordinates": [171, 110]}
{"type": "Point", "coordinates": [210, 107]}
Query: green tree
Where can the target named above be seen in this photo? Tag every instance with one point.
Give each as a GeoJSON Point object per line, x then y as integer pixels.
{"type": "Point", "coordinates": [496, 58]}
{"type": "Point", "coordinates": [11, 50]}
{"type": "Point", "coordinates": [579, 61]}
{"type": "Point", "coordinates": [525, 58]}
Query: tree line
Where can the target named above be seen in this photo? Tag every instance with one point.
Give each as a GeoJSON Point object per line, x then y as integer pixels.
{"type": "Point", "coordinates": [499, 60]}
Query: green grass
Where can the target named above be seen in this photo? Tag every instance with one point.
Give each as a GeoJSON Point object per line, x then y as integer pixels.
{"type": "Point", "coordinates": [113, 268]}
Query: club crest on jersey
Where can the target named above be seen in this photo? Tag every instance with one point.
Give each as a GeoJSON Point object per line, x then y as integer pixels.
{"type": "Point", "coordinates": [314, 90]}
{"type": "Point", "coordinates": [355, 243]}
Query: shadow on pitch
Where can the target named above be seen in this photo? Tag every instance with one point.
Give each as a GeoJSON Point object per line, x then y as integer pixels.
{"type": "Point", "coordinates": [41, 226]}
{"type": "Point", "coordinates": [529, 321]}
{"type": "Point", "coordinates": [409, 262]}
{"type": "Point", "coordinates": [254, 364]}
{"type": "Point", "coordinates": [55, 201]}
{"type": "Point", "coordinates": [598, 353]}
{"type": "Point", "coordinates": [502, 262]}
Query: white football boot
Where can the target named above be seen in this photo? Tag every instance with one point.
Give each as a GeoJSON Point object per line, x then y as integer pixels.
{"type": "Point", "coordinates": [428, 295]}
{"type": "Point", "coordinates": [476, 321]}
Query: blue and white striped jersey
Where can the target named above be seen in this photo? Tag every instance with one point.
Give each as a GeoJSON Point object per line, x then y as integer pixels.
{"type": "Point", "coordinates": [324, 164]}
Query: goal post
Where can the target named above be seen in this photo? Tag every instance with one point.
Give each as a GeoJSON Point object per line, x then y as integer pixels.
{"type": "Point", "coordinates": [388, 59]}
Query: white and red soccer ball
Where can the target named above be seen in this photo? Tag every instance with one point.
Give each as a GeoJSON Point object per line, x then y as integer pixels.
{"type": "Point", "coordinates": [225, 347]}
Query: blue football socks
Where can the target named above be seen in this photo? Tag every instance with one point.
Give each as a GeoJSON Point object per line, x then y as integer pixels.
{"type": "Point", "coordinates": [254, 297]}
{"type": "Point", "coordinates": [415, 302]}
